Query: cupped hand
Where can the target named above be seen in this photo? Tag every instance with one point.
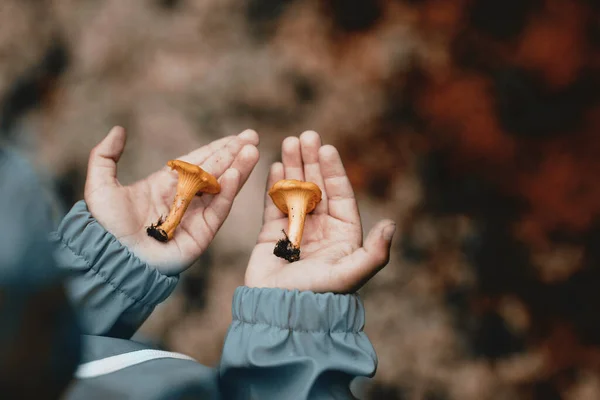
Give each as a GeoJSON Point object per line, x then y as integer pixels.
{"type": "Point", "coordinates": [126, 211]}
{"type": "Point", "coordinates": [333, 257]}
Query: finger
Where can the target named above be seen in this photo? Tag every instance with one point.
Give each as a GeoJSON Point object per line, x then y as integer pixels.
{"type": "Point", "coordinates": [102, 165]}
{"type": "Point", "coordinates": [365, 262]}
{"type": "Point", "coordinates": [215, 148]}
{"type": "Point", "coordinates": [292, 158]}
{"type": "Point", "coordinates": [200, 155]}
{"type": "Point", "coordinates": [310, 143]}
{"type": "Point", "coordinates": [217, 163]}
{"type": "Point", "coordinates": [218, 209]}
{"type": "Point", "coordinates": [341, 203]}
{"type": "Point", "coordinates": [245, 162]}
{"type": "Point", "coordinates": [271, 213]}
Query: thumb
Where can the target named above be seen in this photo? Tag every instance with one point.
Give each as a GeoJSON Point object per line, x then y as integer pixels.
{"type": "Point", "coordinates": [102, 165]}
{"type": "Point", "coordinates": [365, 262]}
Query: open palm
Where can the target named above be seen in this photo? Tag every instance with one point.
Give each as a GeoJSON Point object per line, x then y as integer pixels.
{"type": "Point", "coordinates": [126, 211]}
{"type": "Point", "coordinates": [332, 258]}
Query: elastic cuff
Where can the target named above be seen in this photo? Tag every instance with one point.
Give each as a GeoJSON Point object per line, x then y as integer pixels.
{"type": "Point", "coordinates": [111, 261]}
{"type": "Point", "coordinates": [299, 311]}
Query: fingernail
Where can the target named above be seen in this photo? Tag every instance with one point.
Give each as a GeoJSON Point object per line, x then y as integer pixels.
{"type": "Point", "coordinates": [247, 134]}
{"type": "Point", "coordinates": [388, 231]}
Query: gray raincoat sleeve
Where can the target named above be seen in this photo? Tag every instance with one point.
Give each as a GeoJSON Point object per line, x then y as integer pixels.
{"type": "Point", "coordinates": [112, 289]}
{"type": "Point", "coordinates": [281, 344]}
{"type": "Point", "coordinates": [294, 345]}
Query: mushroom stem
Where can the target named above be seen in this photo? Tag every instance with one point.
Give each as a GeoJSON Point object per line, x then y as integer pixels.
{"type": "Point", "coordinates": [164, 230]}
{"type": "Point", "coordinates": [296, 199]}
{"type": "Point", "coordinates": [192, 181]}
{"type": "Point", "coordinates": [296, 218]}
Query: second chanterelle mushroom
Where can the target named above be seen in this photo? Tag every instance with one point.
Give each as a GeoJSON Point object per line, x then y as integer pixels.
{"type": "Point", "coordinates": [296, 199]}
{"type": "Point", "coordinates": [192, 181]}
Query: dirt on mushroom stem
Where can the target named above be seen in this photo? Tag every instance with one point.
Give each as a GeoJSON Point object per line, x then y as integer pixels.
{"type": "Point", "coordinates": [163, 230]}
{"type": "Point", "coordinates": [284, 249]}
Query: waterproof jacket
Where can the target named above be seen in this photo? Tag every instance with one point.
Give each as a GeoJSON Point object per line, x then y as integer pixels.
{"type": "Point", "coordinates": [281, 344]}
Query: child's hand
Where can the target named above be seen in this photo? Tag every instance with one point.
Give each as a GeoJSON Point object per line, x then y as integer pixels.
{"type": "Point", "coordinates": [333, 257]}
{"type": "Point", "coordinates": [126, 211]}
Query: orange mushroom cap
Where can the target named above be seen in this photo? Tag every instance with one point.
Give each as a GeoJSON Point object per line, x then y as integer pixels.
{"type": "Point", "coordinates": [287, 188]}
{"type": "Point", "coordinates": [192, 177]}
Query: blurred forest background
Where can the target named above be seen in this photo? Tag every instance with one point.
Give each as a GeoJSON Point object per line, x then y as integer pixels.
{"type": "Point", "coordinates": [473, 123]}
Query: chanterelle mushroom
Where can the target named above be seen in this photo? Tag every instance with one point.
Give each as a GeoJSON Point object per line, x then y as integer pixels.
{"type": "Point", "coordinates": [192, 180]}
{"type": "Point", "coordinates": [296, 199]}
